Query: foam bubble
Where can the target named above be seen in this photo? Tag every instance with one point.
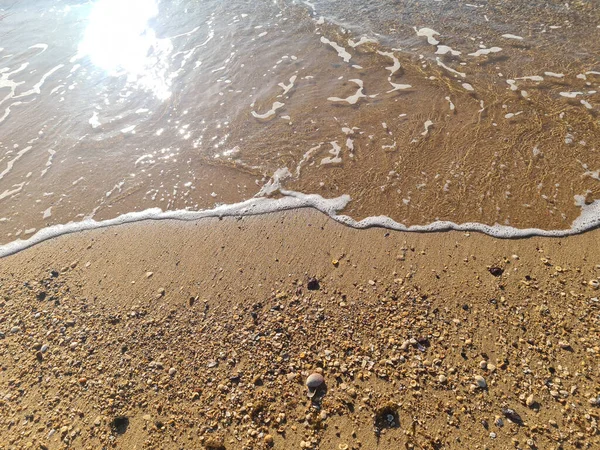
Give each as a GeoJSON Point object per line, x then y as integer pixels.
{"type": "Point", "coordinates": [429, 34]}
{"type": "Point", "coordinates": [94, 122]}
{"type": "Point", "coordinates": [427, 125]}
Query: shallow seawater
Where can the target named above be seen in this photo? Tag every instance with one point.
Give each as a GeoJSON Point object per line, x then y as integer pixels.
{"type": "Point", "coordinates": [482, 112]}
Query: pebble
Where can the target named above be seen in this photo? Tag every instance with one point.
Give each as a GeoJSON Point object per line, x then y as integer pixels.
{"type": "Point", "coordinates": [564, 345]}
{"type": "Point", "coordinates": [149, 274]}
{"type": "Point", "coordinates": [594, 284]}
{"type": "Point", "coordinates": [1, 335]}
{"type": "Point", "coordinates": [480, 381]}
{"type": "Point", "coordinates": [15, 329]}
{"type": "Point", "coordinates": [530, 402]}
{"type": "Point", "coordinates": [491, 367]}
{"type": "Point", "coordinates": [268, 439]}
{"type": "Point", "coordinates": [442, 379]}
{"type": "Point", "coordinates": [172, 371]}
{"type": "Point", "coordinates": [44, 348]}
{"type": "Point", "coordinates": [483, 364]}
{"type": "Point", "coordinates": [493, 435]}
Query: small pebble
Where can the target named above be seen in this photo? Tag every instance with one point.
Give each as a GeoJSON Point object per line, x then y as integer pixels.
{"type": "Point", "coordinates": [480, 381]}
{"type": "Point", "coordinates": [172, 371]}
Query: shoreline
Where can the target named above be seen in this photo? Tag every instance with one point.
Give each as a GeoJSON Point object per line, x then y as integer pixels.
{"type": "Point", "coordinates": [403, 324]}
{"type": "Point", "coordinates": [587, 221]}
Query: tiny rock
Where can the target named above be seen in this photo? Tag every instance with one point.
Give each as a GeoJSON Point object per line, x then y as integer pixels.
{"type": "Point", "coordinates": [564, 345]}
{"type": "Point", "coordinates": [480, 381]}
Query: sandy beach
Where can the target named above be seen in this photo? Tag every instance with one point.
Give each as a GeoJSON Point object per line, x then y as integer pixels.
{"type": "Point", "coordinates": [193, 335]}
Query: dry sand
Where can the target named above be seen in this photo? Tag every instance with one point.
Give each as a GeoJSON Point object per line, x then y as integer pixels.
{"type": "Point", "coordinates": [200, 335]}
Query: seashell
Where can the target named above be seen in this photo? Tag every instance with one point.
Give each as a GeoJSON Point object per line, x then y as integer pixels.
{"type": "Point", "coordinates": [314, 381]}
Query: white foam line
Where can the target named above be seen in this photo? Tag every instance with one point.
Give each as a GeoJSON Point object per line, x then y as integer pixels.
{"type": "Point", "coordinates": [486, 51]}
{"type": "Point", "coordinates": [362, 40]}
{"type": "Point", "coordinates": [587, 220]}
{"type": "Point", "coordinates": [397, 87]}
{"type": "Point", "coordinates": [532, 78]}
{"type": "Point", "coordinates": [7, 193]}
{"type": "Point", "coordinates": [449, 69]}
{"type": "Point", "coordinates": [570, 94]}
{"type": "Point", "coordinates": [42, 47]}
{"type": "Point", "coordinates": [396, 66]}
{"type": "Point", "coordinates": [11, 163]}
{"type": "Point", "coordinates": [270, 112]}
{"type": "Point", "coordinates": [512, 36]}
{"type": "Point", "coordinates": [443, 49]}
{"type": "Point", "coordinates": [353, 98]}
{"type": "Point", "coordinates": [341, 51]}
{"type": "Point", "coordinates": [186, 33]}
{"type": "Point", "coordinates": [39, 84]}
{"type": "Point", "coordinates": [286, 87]}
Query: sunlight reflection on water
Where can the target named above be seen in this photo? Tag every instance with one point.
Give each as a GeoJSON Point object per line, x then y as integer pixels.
{"type": "Point", "coordinates": [119, 40]}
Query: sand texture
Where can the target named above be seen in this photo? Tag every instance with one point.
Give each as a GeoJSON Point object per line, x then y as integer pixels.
{"type": "Point", "coordinates": [170, 335]}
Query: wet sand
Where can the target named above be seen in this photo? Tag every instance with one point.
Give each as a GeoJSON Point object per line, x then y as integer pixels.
{"type": "Point", "coordinates": [200, 335]}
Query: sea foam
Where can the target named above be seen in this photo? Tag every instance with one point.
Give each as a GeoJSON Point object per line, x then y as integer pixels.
{"type": "Point", "coordinates": [587, 220]}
